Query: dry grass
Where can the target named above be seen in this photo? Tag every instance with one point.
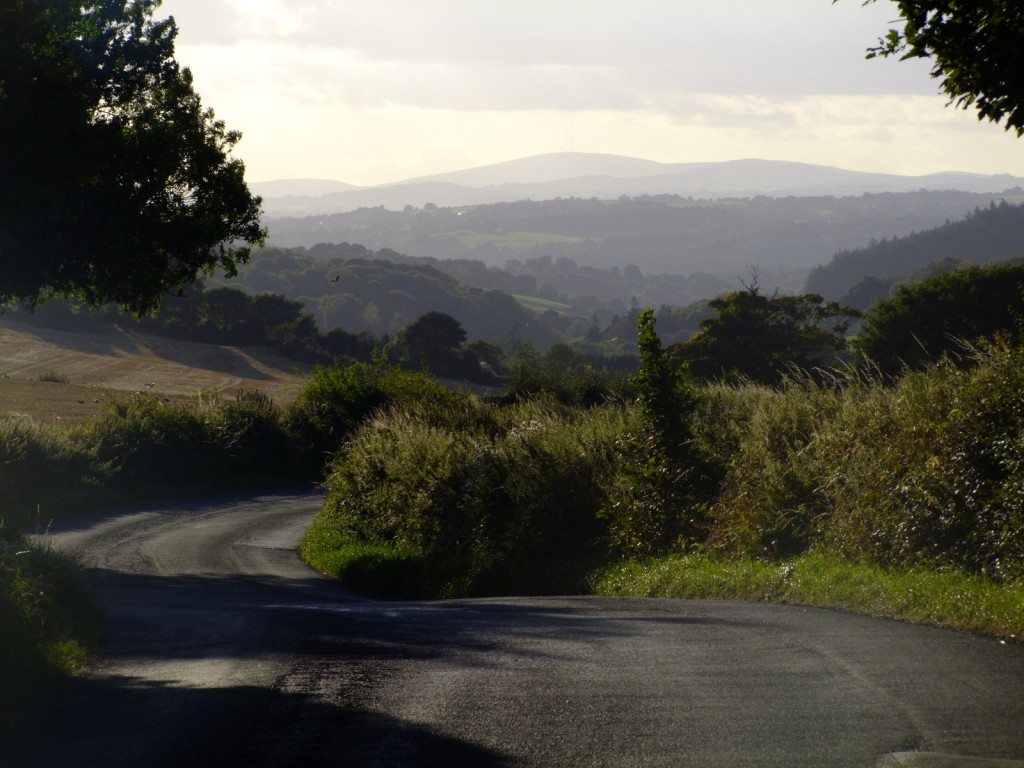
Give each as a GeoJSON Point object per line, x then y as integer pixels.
{"type": "Point", "coordinates": [110, 365]}
{"type": "Point", "coordinates": [46, 402]}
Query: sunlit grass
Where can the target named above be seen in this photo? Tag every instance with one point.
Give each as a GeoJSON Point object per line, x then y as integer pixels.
{"type": "Point", "coordinates": [542, 305]}
{"type": "Point", "coordinates": [947, 598]}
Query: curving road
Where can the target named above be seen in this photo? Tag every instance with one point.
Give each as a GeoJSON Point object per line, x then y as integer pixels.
{"type": "Point", "coordinates": [223, 649]}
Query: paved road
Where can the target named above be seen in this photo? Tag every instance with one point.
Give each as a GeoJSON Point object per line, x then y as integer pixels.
{"type": "Point", "coordinates": [224, 650]}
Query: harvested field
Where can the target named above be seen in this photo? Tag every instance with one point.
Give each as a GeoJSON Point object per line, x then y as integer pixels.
{"type": "Point", "coordinates": [98, 366]}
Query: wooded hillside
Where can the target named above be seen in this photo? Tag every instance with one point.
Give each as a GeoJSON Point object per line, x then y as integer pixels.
{"type": "Point", "coordinates": [993, 233]}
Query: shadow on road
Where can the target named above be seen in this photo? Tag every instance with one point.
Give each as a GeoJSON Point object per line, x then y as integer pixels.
{"type": "Point", "coordinates": [196, 617]}
{"type": "Point", "coordinates": [110, 722]}
{"type": "Point", "coordinates": [188, 623]}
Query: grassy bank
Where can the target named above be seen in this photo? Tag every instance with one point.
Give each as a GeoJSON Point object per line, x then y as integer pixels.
{"type": "Point", "coordinates": [952, 599]}
{"type": "Point", "coordinates": [49, 619]}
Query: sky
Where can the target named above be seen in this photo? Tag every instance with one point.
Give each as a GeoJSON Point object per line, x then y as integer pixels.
{"type": "Point", "coordinates": [378, 91]}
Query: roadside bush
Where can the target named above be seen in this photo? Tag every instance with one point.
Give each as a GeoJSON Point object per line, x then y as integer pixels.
{"type": "Point", "coordinates": [337, 399]}
{"type": "Point", "coordinates": [38, 466]}
{"type": "Point", "coordinates": [251, 440]}
{"type": "Point", "coordinates": [489, 499]}
{"type": "Point", "coordinates": [49, 618]}
{"type": "Point", "coordinates": [143, 440]}
{"type": "Point", "coordinates": [928, 471]}
{"type": "Point", "coordinates": [769, 504]}
{"type": "Point", "coordinates": [659, 497]}
{"type": "Point", "coordinates": [936, 474]}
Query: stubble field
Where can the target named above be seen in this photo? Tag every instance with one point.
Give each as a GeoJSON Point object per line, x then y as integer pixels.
{"type": "Point", "coordinates": [64, 377]}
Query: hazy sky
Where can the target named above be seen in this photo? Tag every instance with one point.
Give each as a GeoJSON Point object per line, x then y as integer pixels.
{"type": "Point", "coordinates": [375, 91]}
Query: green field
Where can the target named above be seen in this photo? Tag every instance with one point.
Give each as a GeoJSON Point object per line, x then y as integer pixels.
{"type": "Point", "coordinates": [514, 241]}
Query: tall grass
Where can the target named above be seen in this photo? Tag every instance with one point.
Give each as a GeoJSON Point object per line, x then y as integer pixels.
{"type": "Point", "coordinates": [929, 471]}
{"type": "Point", "coordinates": [950, 598]}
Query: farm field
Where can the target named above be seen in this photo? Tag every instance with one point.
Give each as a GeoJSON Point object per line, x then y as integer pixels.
{"type": "Point", "coordinates": [90, 368]}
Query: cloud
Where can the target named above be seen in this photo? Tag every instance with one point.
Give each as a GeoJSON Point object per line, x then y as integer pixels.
{"type": "Point", "coordinates": [369, 92]}
{"type": "Point", "coordinates": [551, 49]}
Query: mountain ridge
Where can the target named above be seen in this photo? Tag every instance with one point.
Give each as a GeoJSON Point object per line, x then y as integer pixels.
{"type": "Point", "coordinates": [605, 176]}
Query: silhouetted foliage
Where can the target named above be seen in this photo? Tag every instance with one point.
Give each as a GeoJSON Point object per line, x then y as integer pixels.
{"type": "Point", "coordinates": [116, 185]}
{"type": "Point", "coordinates": [761, 338]}
{"type": "Point", "coordinates": [432, 341]}
{"type": "Point", "coordinates": [974, 47]}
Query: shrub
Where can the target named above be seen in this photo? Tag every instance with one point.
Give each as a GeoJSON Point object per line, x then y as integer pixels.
{"type": "Point", "coordinates": [582, 386]}
{"type": "Point", "coordinates": [143, 440]}
{"type": "Point", "coordinates": [929, 471]}
{"type": "Point", "coordinates": [49, 618]}
{"type": "Point", "coordinates": [251, 440]}
{"type": "Point", "coordinates": [926, 321]}
{"type": "Point", "coordinates": [39, 466]}
{"type": "Point", "coordinates": [337, 399]}
{"type": "Point", "coordinates": [768, 504]}
{"type": "Point", "coordinates": [54, 377]}
{"type": "Point", "coordinates": [937, 472]}
{"type": "Point", "coordinates": [497, 499]}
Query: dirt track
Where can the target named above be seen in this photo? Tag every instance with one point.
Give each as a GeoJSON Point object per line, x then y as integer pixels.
{"type": "Point", "coordinates": [106, 364]}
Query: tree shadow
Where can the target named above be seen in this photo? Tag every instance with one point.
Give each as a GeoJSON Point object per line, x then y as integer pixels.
{"type": "Point", "coordinates": [240, 616]}
{"type": "Point", "coordinates": [332, 656]}
{"type": "Point", "coordinates": [208, 357]}
{"type": "Point", "coordinates": [121, 721]}
{"type": "Point", "coordinates": [108, 341]}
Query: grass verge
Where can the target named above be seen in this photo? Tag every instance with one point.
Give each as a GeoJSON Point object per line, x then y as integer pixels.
{"type": "Point", "coordinates": [49, 618]}
{"type": "Point", "coordinates": [945, 598]}
{"type": "Point", "coordinates": [376, 570]}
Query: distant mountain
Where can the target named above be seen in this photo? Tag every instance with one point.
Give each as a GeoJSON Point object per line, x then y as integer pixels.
{"type": "Point", "coordinates": [557, 167]}
{"type": "Point", "coordinates": [299, 187]}
{"type": "Point", "coordinates": [607, 177]}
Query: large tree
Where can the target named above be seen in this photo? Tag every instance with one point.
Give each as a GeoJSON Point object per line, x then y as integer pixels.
{"type": "Point", "coordinates": [116, 184]}
{"type": "Point", "coordinates": [761, 338]}
{"type": "Point", "coordinates": [433, 340]}
{"type": "Point", "coordinates": [974, 47]}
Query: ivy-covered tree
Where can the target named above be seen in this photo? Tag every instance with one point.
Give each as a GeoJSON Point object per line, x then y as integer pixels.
{"type": "Point", "coordinates": [926, 320]}
{"type": "Point", "coordinates": [116, 184]}
{"type": "Point", "coordinates": [761, 338]}
{"type": "Point", "coordinates": [974, 47]}
{"type": "Point", "coordinates": [659, 501]}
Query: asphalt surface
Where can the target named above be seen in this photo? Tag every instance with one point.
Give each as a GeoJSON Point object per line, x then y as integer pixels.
{"type": "Point", "coordinates": [223, 649]}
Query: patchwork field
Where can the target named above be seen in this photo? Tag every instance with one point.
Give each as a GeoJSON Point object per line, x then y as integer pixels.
{"type": "Point", "coordinates": [65, 377]}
